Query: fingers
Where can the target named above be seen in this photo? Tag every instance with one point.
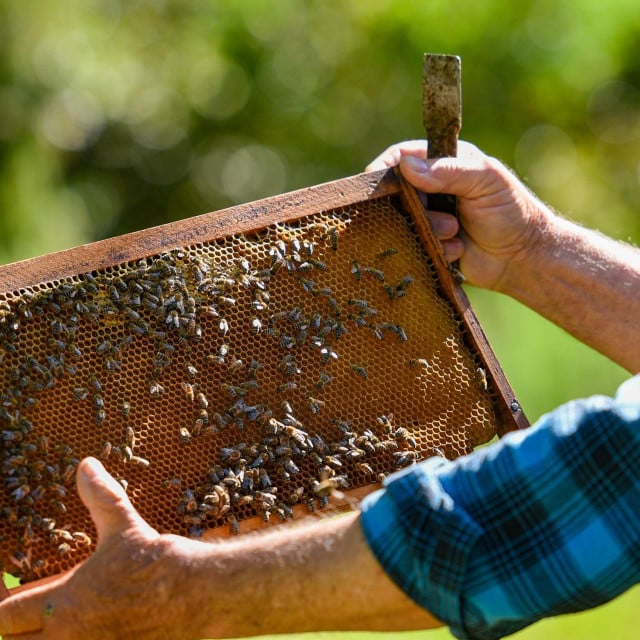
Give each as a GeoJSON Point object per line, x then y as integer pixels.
{"type": "Point", "coordinates": [27, 612]}
{"type": "Point", "coordinates": [453, 249]}
{"type": "Point", "coordinates": [109, 505]}
{"type": "Point", "coordinates": [444, 225]}
{"type": "Point", "coordinates": [390, 157]}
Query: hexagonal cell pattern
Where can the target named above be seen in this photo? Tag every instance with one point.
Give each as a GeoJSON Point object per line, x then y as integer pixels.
{"type": "Point", "coordinates": [231, 379]}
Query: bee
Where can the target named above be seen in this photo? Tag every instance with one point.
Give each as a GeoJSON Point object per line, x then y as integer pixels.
{"type": "Point", "coordinates": [223, 351]}
{"type": "Point", "coordinates": [482, 374]}
{"type": "Point", "coordinates": [315, 405]}
{"type": "Point", "coordinates": [235, 365]}
{"type": "Point", "coordinates": [376, 273]}
{"type": "Point", "coordinates": [327, 353]}
{"type": "Point", "coordinates": [125, 409]}
{"type": "Point", "coordinates": [386, 422]}
{"type": "Point", "coordinates": [188, 390]}
{"type": "Point", "coordinates": [459, 277]}
{"type": "Point", "coordinates": [226, 300]}
{"type": "Point", "coordinates": [234, 525]}
{"type": "Point", "coordinates": [296, 495]}
{"type": "Point", "coordinates": [263, 478]}
{"type": "Point", "coordinates": [245, 265]}
{"type": "Point", "coordinates": [21, 560]}
{"type": "Point", "coordinates": [98, 401]}
{"type": "Point", "coordinates": [256, 325]}
{"type": "Point", "coordinates": [95, 383]}
{"type": "Point", "coordinates": [323, 291]}
{"type": "Point", "coordinates": [43, 444]}
{"type": "Point", "coordinates": [318, 264]}
{"type": "Point", "coordinates": [360, 370]}
{"type": "Point", "coordinates": [81, 538]}
{"type": "Point", "coordinates": [75, 351]}
{"type": "Point", "coordinates": [419, 362]}
{"type": "Point", "coordinates": [100, 416]}
{"type": "Point", "coordinates": [64, 548]}
{"type": "Point", "coordinates": [189, 501]}
{"type": "Point", "coordinates": [80, 393]}
{"type": "Point", "coordinates": [387, 252]}
{"type": "Point", "coordinates": [233, 390]}
{"type": "Point", "coordinates": [133, 315]}
{"type": "Point", "coordinates": [230, 454]}
{"type": "Point", "coordinates": [299, 436]}
{"type": "Point", "coordinates": [191, 370]}
{"type": "Point", "coordinates": [223, 326]}
{"type": "Point", "coordinates": [403, 285]}
{"type": "Point", "coordinates": [130, 437]}
{"type": "Point", "coordinates": [185, 435]}
{"type": "Point", "coordinates": [323, 379]}
{"type": "Point", "coordinates": [155, 388]}
{"type": "Point", "coordinates": [288, 365]}
{"type": "Point", "coordinates": [307, 285]}
{"type": "Point", "coordinates": [286, 387]}
{"type": "Point", "coordinates": [405, 458]}
{"type": "Point", "coordinates": [105, 452]}
{"type": "Point", "coordinates": [359, 303]}
{"type": "Point", "coordinates": [329, 486]}
{"type": "Point", "coordinates": [333, 237]}
{"type": "Point", "coordinates": [141, 462]}
{"type": "Point", "coordinates": [202, 401]}
{"type": "Point", "coordinates": [68, 471]}
{"type": "Point", "coordinates": [364, 467]}
{"type": "Point", "coordinates": [21, 492]}
{"type": "Point", "coordinates": [333, 461]}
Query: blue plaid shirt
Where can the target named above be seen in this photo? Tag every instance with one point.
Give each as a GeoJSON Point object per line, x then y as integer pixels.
{"type": "Point", "coordinates": [544, 522]}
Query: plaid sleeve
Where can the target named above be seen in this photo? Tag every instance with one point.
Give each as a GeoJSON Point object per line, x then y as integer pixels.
{"type": "Point", "coordinates": [544, 522]}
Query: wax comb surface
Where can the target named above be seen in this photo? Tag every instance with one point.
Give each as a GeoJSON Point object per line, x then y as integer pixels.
{"type": "Point", "coordinates": [235, 369]}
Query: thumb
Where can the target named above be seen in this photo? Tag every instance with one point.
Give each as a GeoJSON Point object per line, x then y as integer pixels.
{"type": "Point", "coordinates": [107, 502]}
{"type": "Point", "coordinates": [464, 176]}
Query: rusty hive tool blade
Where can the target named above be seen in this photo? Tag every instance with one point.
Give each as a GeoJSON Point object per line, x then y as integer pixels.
{"type": "Point", "coordinates": [442, 115]}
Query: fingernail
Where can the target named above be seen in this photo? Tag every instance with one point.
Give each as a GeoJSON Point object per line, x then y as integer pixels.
{"type": "Point", "coordinates": [419, 165]}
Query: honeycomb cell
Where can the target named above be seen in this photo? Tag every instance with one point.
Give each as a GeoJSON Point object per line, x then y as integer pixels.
{"type": "Point", "coordinates": [239, 378]}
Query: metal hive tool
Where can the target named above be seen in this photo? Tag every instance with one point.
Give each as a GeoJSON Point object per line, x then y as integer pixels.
{"type": "Point", "coordinates": [237, 369]}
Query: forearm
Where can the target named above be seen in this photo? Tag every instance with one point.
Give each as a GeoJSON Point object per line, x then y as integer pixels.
{"type": "Point", "coordinates": [319, 576]}
{"type": "Point", "coordinates": [584, 282]}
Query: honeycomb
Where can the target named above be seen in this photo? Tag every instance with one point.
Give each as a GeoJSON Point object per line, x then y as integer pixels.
{"type": "Point", "coordinates": [243, 379]}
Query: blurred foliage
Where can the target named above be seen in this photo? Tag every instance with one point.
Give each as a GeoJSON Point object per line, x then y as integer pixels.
{"type": "Point", "coordinates": [117, 115]}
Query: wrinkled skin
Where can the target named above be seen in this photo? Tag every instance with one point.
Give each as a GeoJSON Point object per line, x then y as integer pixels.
{"type": "Point", "coordinates": [134, 570]}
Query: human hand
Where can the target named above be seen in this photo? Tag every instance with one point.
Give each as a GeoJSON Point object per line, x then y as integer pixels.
{"type": "Point", "coordinates": [131, 587]}
{"type": "Point", "coordinates": [500, 219]}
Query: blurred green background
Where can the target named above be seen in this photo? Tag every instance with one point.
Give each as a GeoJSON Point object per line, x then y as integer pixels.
{"type": "Point", "coordinates": [118, 115]}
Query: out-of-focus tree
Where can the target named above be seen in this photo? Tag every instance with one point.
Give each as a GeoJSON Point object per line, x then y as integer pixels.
{"type": "Point", "coordinates": [116, 115]}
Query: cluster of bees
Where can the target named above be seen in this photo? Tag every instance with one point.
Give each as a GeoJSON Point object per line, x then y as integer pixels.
{"type": "Point", "coordinates": [266, 475]}
{"type": "Point", "coordinates": [165, 301]}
